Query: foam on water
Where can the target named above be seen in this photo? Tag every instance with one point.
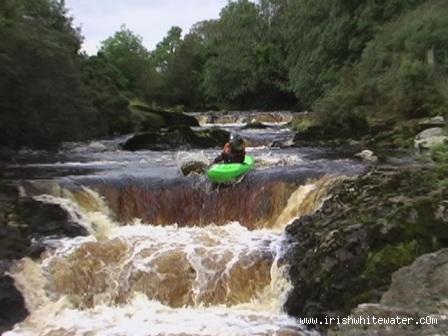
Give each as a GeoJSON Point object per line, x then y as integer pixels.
{"type": "Point", "coordinates": [145, 318]}
{"type": "Point", "coordinates": [228, 261]}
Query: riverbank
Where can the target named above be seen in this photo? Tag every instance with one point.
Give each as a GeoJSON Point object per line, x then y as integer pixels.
{"type": "Point", "coordinates": [370, 227]}
{"type": "Point", "coordinates": [365, 247]}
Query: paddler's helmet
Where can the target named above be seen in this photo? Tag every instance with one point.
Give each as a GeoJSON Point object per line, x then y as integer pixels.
{"type": "Point", "coordinates": [236, 141]}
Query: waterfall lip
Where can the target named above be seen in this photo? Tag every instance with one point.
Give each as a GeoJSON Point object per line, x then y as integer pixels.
{"type": "Point", "coordinates": [154, 165]}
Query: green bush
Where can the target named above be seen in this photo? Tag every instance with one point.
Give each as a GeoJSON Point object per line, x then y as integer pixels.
{"type": "Point", "coordinates": [343, 114]}
{"type": "Point", "coordinates": [439, 153]}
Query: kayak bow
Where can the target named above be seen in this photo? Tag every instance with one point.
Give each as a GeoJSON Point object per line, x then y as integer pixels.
{"type": "Point", "coordinates": [225, 172]}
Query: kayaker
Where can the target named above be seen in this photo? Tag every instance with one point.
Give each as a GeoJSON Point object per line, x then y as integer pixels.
{"type": "Point", "coordinates": [234, 151]}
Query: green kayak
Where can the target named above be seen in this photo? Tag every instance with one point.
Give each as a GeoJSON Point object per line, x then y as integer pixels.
{"type": "Point", "coordinates": [225, 172]}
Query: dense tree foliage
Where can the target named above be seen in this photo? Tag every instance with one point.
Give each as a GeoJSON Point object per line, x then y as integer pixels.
{"type": "Point", "coordinates": [401, 74]}
{"type": "Point", "coordinates": [179, 62]}
{"type": "Point", "coordinates": [348, 60]}
{"type": "Point", "coordinates": [246, 66]}
{"type": "Point", "coordinates": [41, 94]}
{"type": "Point", "coordinates": [106, 84]}
{"type": "Point", "coordinates": [126, 52]}
{"type": "Point", "coordinates": [326, 37]}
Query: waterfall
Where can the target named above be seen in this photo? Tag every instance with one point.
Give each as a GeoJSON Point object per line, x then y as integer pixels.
{"type": "Point", "coordinates": [140, 278]}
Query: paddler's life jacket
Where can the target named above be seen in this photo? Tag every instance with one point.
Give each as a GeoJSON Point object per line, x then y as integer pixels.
{"type": "Point", "coordinates": [231, 155]}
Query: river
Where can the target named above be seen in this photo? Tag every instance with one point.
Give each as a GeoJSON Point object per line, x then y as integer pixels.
{"type": "Point", "coordinates": [167, 254]}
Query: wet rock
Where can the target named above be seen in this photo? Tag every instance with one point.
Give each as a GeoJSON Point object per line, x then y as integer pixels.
{"type": "Point", "coordinates": [430, 138]}
{"type": "Point", "coordinates": [418, 291]}
{"type": "Point", "coordinates": [154, 141]}
{"type": "Point", "coordinates": [227, 117]}
{"type": "Point", "coordinates": [12, 303]}
{"type": "Point", "coordinates": [21, 222]}
{"type": "Point", "coordinates": [168, 118]}
{"type": "Point", "coordinates": [193, 167]}
{"type": "Point", "coordinates": [438, 121]}
{"type": "Point", "coordinates": [43, 220]}
{"type": "Point", "coordinates": [13, 243]}
{"type": "Point", "coordinates": [179, 137]}
{"type": "Point", "coordinates": [371, 227]}
{"type": "Point", "coordinates": [254, 124]}
{"type": "Point", "coordinates": [367, 155]}
{"type": "Point", "coordinates": [282, 144]}
{"type": "Point", "coordinates": [178, 119]}
{"type": "Point", "coordinates": [213, 137]}
{"type": "Point", "coordinates": [6, 154]}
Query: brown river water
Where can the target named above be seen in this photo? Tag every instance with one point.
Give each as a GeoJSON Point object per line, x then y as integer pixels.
{"type": "Point", "coordinates": [167, 254]}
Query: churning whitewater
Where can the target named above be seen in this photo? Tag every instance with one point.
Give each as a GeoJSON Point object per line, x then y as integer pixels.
{"type": "Point", "coordinates": [165, 254]}
{"type": "Point", "coordinates": [141, 279]}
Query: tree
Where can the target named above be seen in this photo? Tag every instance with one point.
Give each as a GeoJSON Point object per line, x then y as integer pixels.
{"type": "Point", "coordinates": [327, 37]}
{"type": "Point", "coordinates": [245, 69]}
{"type": "Point", "coordinates": [166, 49]}
{"type": "Point", "coordinates": [180, 63]}
{"type": "Point", "coordinates": [105, 85]}
{"type": "Point", "coordinates": [41, 94]}
{"type": "Point", "coordinates": [126, 53]}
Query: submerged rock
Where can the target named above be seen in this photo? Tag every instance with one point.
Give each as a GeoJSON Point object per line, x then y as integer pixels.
{"type": "Point", "coordinates": [371, 227]}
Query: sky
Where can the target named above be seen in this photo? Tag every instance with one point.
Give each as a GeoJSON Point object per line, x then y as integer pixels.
{"type": "Point", "coordinates": [151, 19]}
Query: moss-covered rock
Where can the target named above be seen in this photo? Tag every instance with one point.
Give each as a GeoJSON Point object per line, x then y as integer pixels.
{"type": "Point", "coordinates": [371, 226]}
{"type": "Point", "coordinates": [177, 137]}
{"type": "Point", "coordinates": [213, 137]}
{"type": "Point", "coordinates": [377, 133]}
{"type": "Point", "coordinates": [417, 291]}
{"type": "Point", "coordinates": [147, 121]}
{"type": "Point", "coordinates": [166, 118]}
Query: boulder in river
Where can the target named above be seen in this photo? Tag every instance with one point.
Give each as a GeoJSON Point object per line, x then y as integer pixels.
{"type": "Point", "coordinates": [163, 118]}
{"type": "Point", "coordinates": [429, 138]}
{"type": "Point", "coordinates": [193, 167]}
{"type": "Point", "coordinates": [367, 155]}
{"type": "Point", "coordinates": [254, 124]}
{"type": "Point", "coordinates": [43, 219]}
{"type": "Point", "coordinates": [179, 137]}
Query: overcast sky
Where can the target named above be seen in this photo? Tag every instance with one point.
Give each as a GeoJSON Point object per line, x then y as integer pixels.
{"type": "Point", "coordinates": [150, 19]}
